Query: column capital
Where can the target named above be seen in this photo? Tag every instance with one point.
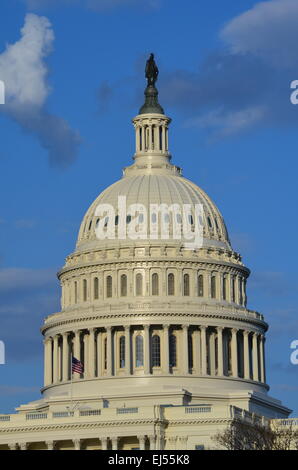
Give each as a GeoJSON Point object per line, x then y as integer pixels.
{"type": "Point", "coordinates": [203, 327]}
{"type": "Point", "coordinates": [146, 327]}
{"type": "Point", "coordinates": [234, 331]}
{"type": "Point", "coordinates": [246, 332]}
{"type": "Point", "coordinates": [185, 326]}
{"type": "Point", "coordinates": [13, 446]}
{"type": "Point", "coordinates": [166, 326]}
{"type": "Point", "coordinates": [109, 328]}
{"type": "Point", "coordinates": [23, 445]}
{"type": "Point", "coordinates": [220, 328]}
{"type": "Point", "coordinates": [127, 327]}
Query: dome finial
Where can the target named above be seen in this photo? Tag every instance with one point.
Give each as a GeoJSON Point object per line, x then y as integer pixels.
{"type": "Point", "coordinates": [151, 104]}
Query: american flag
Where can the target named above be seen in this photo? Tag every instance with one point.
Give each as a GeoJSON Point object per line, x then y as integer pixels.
{"type": "Point", "coordinates": [76, 366]}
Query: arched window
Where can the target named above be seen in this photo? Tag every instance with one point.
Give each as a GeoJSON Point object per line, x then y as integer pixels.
{"type": "Point", "coordinates": [84, 290]}
{"type": "Point", "coordinates": [186, 284]}
{"type": "Point", "coordinates": [200, 285]}
{"type": "Point", "coordinates": [139, 284]}
{"type": "Point", "coordinates": [123, 285]}
{"type": "Point", "coordinates": [213, 287]}
{"type": "Point", "coordinates": [155, 351]}
{"type": "Point", "coordinates": [155, 284]}
{"type": "Point", "coordinates": [105, 356]}
{"type": "Point", "coordinates": [190, 351]}
{"type": "Point", "coordinates": [224, 288]}
{"type": "Point", "coordinates": [171, 284]}
{"type": "Point", "coordinates": [76, 292]}
{"type": "Point", "coordinates": [109, 286]}
{"type": "Point", "coordinates": [122, 352]}
{"type": "Point", "coordinates": [173, 351]}
{"type": "Point", "coordinates": [95, 286]}
{"type": "Point", "coordinates": [233, 289]}
{"type": "Point", "coordinates": [139, 351]}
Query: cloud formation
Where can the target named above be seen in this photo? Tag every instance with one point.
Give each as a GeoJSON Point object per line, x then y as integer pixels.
{"type": "Point", "coordinates": [24, 72]}
{"type": "Point", "coordinates": [245, 84]}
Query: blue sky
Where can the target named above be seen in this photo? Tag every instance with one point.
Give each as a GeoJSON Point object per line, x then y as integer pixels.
{"type": "Point", "coordinates": [74, 75]}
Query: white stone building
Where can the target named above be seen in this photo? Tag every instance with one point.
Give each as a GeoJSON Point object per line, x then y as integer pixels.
{"type": "Point", "coordinates": [170, 351]}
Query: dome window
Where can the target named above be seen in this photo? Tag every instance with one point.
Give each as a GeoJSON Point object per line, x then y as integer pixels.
{"type": "Point", "coordinates": [139, 351]}
{"type": "Point", "coordinates": [95, 286]}
{"type": "Point", "coordinates": [84, 290]}
{"type": "Point", "coordinates": [123, 285]}
{"type": "Point", "coordinates": [90, 225]}
{"type": "Point", "coordinates": [139, 284]}
{"type": "Point", "coordinates": [155, 284]}
{"type": "Point", "coordinates": [179, 218]}
{"type": "Point", "coordinates": [128, 219]}
{"type": "Point", "coordinates": [200, 285]}
{"type": "Point", "coordinates": [117, 220]}
{"type": "Point", "coordinates": [213, 287]}
{"type": "Point", "coordinates": [122, 352]}
{"type": "Point", "coordinates": [141, 218]}
{"type": "Point", "coordinates": [106, 222]}
{"type": "Point", "coordinates": [171, 284]}
{"type": "Point", "coordinates": [109, 286]}
{"type": "Point", "coordinates": [167, 218]}
{"type": "Point", "coordinates": [186, 284]}
{"type": "Point", "coordinates": [190, 219]}
{"type": "Point", "coordinates": [209, 222]}
{"type": "Point", "coordinates": [173, 351]}
{"type": "Point", "coordinates": [154, 218]}
{"type": "Point", "coordinates": [155, 351]}
{"type": "Point", "coordinates": [224, 288]}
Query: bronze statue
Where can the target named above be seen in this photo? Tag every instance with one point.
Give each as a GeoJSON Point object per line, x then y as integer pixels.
{"type": "Point", "coordinates": [151, 71]}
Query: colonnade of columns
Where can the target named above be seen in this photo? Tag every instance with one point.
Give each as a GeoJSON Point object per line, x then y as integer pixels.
{"type": "Point", "coordinates": [107, 443]}
{"type": "Point", "coordinates": [176, 349]}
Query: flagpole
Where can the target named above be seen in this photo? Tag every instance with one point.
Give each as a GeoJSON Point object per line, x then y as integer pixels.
{"type": "Point", "coordinates": [71, 394]}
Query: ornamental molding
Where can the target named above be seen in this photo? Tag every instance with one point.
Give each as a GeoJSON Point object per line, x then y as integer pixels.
{"type": "Point", "coordinates": [79, 426]}
{"type": "Point", "coordinates": [254, 323]}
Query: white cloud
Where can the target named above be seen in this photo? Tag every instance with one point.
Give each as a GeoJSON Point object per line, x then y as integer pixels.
{"type": "Point", "coordinates": [22, 66]}
{"type": "Point", "coordinates": [226, 123]}
{"type": "Point", "coordinates": [24, 72]}
{"type": "Point", "coordinates": [268, 30]}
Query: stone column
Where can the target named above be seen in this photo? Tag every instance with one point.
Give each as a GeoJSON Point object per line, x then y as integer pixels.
{"type": "Point", "coordinates": [212, 353]}
{"type": "Point", "coordinates": [127, 351]}
{"type": "Point", "coordinates": [99, 352]}
{"type": "Point", "coordinates": [55, 359]}
{"type": "Point", "coordinates": [48, 372]}
{"type": "Point", "coordinates": [166, 356]}
{"type": "Point", "coordinates": [65, 357]}
{"type": "Point", "coordinates": [262, 362]}
{"type": "Point", "coordinates": [196, 352]}
{"type": "Point", "coordinates": [104, 443]}
{"type": "Point", "coordinates": [77, 345]}
{"type": "Point", "coordinates": [86, 354]}
{"type": "Point", "coordinates": [185, 365]}
{"type": "Point", "coordinates": [77, 444]}
{"type": "Point", "coordinates": [23, 445]}
{"type": "Point", "coordinates": [91, 358]}
{"type": "Point", "coordinates": [141, 442]}
{"type": "Point", "coordinates": [109, 350]}
{"type": "Point", "coordinates": [234, 350]}
{"type": "Point", "coordinates": [50, 445]}
{"type": "Point", "coordinates": [220, 370]}
{"type": "Point", "coordinates": [255, 367]}
{"type": "Point", "coordinates": [203, 351]}
{"type": "Point", "coordinates": [146, 349]}
{"type": "Point", "coordinates": [114, 443]}
{"type": "Point", "coordinates": [152, 441]}
{"type": "Point", "coordinates": [246, 354]}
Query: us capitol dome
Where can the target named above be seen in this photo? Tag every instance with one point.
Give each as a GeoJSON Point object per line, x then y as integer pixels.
{"type": "Point", "coordinates": [167, 352]}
